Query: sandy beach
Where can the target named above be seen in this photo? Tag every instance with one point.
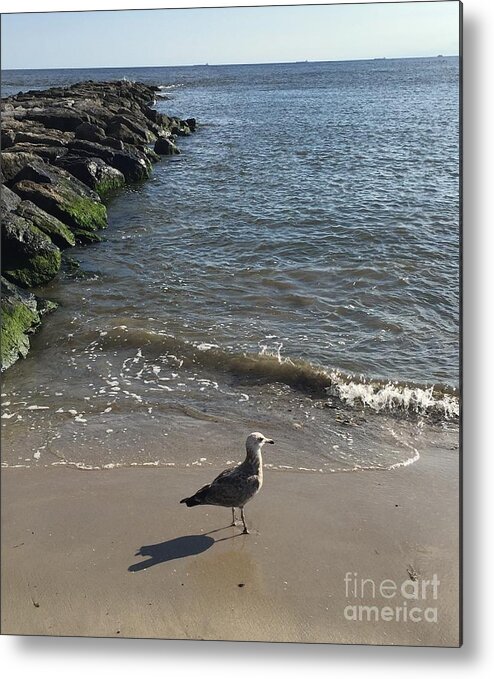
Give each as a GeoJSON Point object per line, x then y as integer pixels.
{"type": "Point", "coordinates": [112, 553]}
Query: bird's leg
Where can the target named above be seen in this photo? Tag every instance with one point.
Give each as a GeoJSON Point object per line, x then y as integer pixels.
{"type": "Point", "coordinates": [243, 519]}
{"type": "Point", "coordinates": [234, 522]}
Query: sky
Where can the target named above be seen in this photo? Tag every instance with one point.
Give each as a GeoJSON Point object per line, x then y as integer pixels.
{"type": "Point", "coordinates": [178, 37]}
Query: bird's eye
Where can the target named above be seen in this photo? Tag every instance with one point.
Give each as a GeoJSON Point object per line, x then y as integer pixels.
{"type": "Point", "coordinates": [259, 438]}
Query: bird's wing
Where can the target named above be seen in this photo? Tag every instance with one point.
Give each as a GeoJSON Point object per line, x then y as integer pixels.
{"type": "Point", "coordinates": [232, 489]}
{"type": "Point", "coordinates": [225, 474]}
{"type": "Point", "coordinates": [205, 495]}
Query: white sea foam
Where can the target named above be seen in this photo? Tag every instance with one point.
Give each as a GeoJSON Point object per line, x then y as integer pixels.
{"type": "Point", "coordinates": [273, 351]}
{"type": "Point", "coordinates": [414, 458]}
{"type": "Point", "coordinates": [205, 346]}
{"type": "Point", "coordinates": [170, 87]}
{"type": "Point", "coordinates": [393, 396]}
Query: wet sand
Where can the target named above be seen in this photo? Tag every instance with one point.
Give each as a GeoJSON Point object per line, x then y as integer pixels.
{"type": "Point", "coordinates": [112, 553]}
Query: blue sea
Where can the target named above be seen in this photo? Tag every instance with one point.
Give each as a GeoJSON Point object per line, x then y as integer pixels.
{"type": "Point", "coordinates": [294, 270]}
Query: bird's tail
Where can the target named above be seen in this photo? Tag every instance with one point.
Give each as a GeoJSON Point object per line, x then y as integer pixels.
{"type": "Point", "coordinates": [191, 501]}
{"type": "Point", "coordinates": [198, 498]}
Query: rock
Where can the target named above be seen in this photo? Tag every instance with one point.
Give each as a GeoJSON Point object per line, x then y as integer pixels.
{"type": "Point", "coordinates": [50, 93]}
{"type": "Point", "coordinates": [138, 130]}
{"type": "Point", "coordinates": [45, 306]}
{"type": "Point", "coordinates": [121, 131]}
{"type": "Point", "coordinates": [44, 138]}
{"type": "Point", "coordinates": [165, 147]}
{"type": "Point", "coordinates": [80, 213]}
{"type": "Point", "coordinates": [180, 131]}
{"type": "Point", "coordinates": [153, 115]}
{"type": "Point", "coordinates": [89, 132]}
{"type": "Point", "coordinates": [87, 237]}
{"type": "Point", "coordinates": [12, 163]}
{"type": "Point", "coordinates": [63, 196]}
{"type": "Point", "coordinates": [43, 173]}
{"type": "Point", "coordinates": [133, 164]}
{"type": "Point", "coordinates": [47, 153]}
{"type": "Point", "coordinates": [59, 118]}
{"type": "Point", "coordinates": [97, 111]}
{"type": "Point", "coordinates": [191, 122]}
{"type": "Point", "coordinates": [29, 258]}
{"type": "Point", "coordinates": [113, 143]}
{"type": "Point", "coordinates": [8, 200]}
{"type": "Point", "coordinates": [180, 128]}
{"type": "Point", "coordinates": [7, 137]}
{"type": "Point", "coordinates": [124, 134]}
{"type": "Point", "coordinates": [94, 172]}
{"type": "Point", "coordinates": [90, 149]}
{"type": "Point", "coordinates": [151, 155]}
{"type": "Point", "coordinates": [155, 129]}
{"type": "Point", "coordinates": [20, 318]}
{"type": "Point", "coordinates": [51, 226]}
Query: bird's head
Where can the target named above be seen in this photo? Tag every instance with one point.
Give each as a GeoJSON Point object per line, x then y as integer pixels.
{"type": "Point", "coordinates": [255, 441]}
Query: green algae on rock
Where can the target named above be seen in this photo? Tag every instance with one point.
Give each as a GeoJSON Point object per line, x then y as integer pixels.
{"type": "Point", "coordinates": [93, 172]}
{"type": "Point", "coordinates": [21, 316]}
{"type": "Point", "coordinates": [59, 233]}
{"type": "Point", "coordinates": [78, 212]}
{"type": "Point", "coordinates": [29, 257]}
{"type": "Point", "coordinates": [87, 215]}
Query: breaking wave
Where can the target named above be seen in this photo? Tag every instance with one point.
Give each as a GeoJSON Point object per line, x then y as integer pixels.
{"type": "Point", "coordinates": [439, 402]}
{"type": "Point", "coordinates": [170, 87]}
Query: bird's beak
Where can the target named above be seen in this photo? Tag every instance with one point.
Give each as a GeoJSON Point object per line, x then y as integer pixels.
{"type": "Point", "coordinates": [269, 441]}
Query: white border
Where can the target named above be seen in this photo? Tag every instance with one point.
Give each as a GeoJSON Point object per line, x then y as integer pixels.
{"type": "Point", "coordinates": [74, 5]}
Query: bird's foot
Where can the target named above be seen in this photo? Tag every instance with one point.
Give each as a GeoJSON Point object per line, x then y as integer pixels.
{"type": "Point", "coordinates": [234, 523]}
{"type": "Point", "coordinates": [245, 532]}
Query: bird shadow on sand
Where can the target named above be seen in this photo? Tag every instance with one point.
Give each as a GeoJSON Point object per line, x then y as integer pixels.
{"type": "Point", "coordinates": [177, 548]}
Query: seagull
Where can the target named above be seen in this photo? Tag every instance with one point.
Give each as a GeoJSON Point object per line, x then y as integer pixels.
{"type": "Point", "coordinates": [236, 486]}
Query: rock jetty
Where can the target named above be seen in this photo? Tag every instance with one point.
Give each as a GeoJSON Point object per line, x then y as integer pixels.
{"type": "Point", "coordinates": [63, 151]}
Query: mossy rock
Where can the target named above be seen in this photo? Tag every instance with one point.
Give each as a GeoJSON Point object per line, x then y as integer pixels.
{"type": "Point", "coordinates": [87, 236]}
{"type": "Point", "coordinates": [110, 184]}
{"type": "Point", "coordinates": [20, 317]}
{"type": "Point", "coordinates": [165, 146]}
{"type": "Point", "coordinates": [86, 214]}
{"type": "Point", "coordinates": [29, 258]}
{"type": "Point", "coordinates": [70, 266]}
{"type": "Point", "coordinates": [94, 173]}
{"type": "Point", "coordinates": [46, 306]}
{"type": "Point", "coordinates": [151, 155]}
{"type": "Point", "coordinates": [38, 270]}
{"type": "Point", "coordinates": [60, 234]}
{"type": "Point", "coordinates": [76, 211]}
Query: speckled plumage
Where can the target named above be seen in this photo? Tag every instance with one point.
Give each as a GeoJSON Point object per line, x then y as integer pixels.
{"type": "Point", "coordinates": [235, 487]}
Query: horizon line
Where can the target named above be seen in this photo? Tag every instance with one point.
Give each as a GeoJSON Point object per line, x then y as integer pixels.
{"type": "Point", "coordinates": [254, 63]}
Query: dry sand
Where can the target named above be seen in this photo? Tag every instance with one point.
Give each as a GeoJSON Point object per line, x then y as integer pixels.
{"type": "Point", "coordinates": [112, 553]}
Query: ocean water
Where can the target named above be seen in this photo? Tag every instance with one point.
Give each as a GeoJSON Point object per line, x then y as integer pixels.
{"type": "Point", "coordinates": [294, 270]}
